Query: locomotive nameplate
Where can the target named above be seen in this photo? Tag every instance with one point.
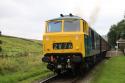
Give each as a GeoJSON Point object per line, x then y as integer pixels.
{"type": "Point", "coordinates": [64, 45]}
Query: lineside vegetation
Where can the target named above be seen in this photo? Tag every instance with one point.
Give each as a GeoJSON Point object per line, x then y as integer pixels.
{"type": "Point", "coordinates": [20, 60]}
{"type": "Point", "coordinates": [111, 71]}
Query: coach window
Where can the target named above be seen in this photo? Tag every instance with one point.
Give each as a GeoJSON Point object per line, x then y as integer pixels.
{"type": "Point", "coordinates": [93, 39]}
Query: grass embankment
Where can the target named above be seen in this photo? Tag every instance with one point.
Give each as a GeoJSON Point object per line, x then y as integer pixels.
{"type": "Point", "coordinates": [20, 60]}
{"type": "Point", "coordinates": [111, 71]}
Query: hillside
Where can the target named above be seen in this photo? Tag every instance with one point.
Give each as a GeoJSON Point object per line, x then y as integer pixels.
{"type": "Point", "coordinates": [15, 46]}
{"type": "Point", "coordinates": [20, 60]}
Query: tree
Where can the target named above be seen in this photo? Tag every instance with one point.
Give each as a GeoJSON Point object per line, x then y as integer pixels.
{"type": "Point", "coordinates": [116, 31]}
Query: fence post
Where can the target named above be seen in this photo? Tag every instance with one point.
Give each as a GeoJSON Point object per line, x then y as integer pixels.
{"type": "Point", "coordinates": [1, 54]}
{"type": "Point", "coordinates": [0, 43]}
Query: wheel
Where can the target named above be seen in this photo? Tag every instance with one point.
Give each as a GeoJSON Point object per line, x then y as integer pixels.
{"type": "Point", "coordinates": [87, 66]}
{"type": "Point", "coordinates": [58, 71]}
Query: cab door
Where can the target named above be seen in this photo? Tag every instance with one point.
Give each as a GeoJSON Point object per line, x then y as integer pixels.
{"type": "Point", "coordinates": [86, 46]}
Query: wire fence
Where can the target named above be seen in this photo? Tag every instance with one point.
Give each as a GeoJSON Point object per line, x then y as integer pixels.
{"type": "Point", "coordinates": [4, 54]}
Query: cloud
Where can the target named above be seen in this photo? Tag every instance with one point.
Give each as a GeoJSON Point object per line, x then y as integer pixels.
{"type": "Point", "coordinates": [25, 18]}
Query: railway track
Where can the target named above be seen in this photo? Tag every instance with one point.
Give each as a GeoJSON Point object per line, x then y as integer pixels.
{"type": "Point", "coordinates": [62, 78]}
{"type": "Point", "coordinates": [69, 78]}
{"type": "Point", "coordinates": [48, 80]}
{"type": "Point", "coordinates": [66, 77]}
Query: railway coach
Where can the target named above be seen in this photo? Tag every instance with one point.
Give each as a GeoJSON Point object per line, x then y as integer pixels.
{"type": "Point", "coordinates": [70, 44]}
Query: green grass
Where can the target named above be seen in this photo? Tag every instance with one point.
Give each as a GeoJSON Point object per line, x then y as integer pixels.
{"type": "Point", "coordinates": [15, 46]}
{"type": "Point", "coordinates": [111, 71]}
{"type": "Point", "coordinates": [21, 69]}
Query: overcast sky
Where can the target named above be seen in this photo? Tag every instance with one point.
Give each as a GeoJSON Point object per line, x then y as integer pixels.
{"type": "Point", "coordinates": [26, 18]}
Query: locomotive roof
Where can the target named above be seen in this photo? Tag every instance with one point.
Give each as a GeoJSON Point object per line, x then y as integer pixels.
{"type": "Point", "coordinates": [67, 17]}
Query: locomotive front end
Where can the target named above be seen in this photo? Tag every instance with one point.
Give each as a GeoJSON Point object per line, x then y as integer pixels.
{"type": "Point", "coordinates": [63, 43]}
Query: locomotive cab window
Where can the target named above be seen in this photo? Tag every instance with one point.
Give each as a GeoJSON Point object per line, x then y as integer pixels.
{"type": "Point", "coordinates": [54, 26]}
{"type": "Point", "coordinates": [85, 28]}
{"type": "Point", "coordinates": [72, 25]}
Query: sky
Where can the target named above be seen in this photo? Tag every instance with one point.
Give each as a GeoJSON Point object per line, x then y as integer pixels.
{"type": "Point", "coordinates": [26, 18]}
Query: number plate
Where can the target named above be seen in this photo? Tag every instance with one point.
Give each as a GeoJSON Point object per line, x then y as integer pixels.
{"type": "Point", "coordinates": [66, 45]}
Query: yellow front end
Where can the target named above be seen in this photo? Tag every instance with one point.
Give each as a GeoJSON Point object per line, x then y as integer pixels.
{"type": "Point", "coordinates": [74, 37]}
{"type": "Point", "coordinates": [63, 43]}
{"type": "Point", "coordinates": [77, 40]}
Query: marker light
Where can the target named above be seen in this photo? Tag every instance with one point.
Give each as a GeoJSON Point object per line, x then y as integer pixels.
{"type": "Point", "coordinates": [77, 48]}
{"type": "Point", "coordinates": [77, 37]}
{"type": "Point", "coordinates": [47, 38]}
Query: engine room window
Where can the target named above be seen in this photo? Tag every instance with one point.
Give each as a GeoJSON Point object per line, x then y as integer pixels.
{"type": "Point", "coordinates": [71, 25]}
{"type": "Point", "coordinates": [54, 26]}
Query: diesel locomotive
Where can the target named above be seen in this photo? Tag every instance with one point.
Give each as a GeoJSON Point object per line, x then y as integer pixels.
{"type": "Point", "coordinates": [70, 44]}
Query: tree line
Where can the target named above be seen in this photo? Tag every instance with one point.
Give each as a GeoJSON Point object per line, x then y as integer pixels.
{"type": "Point", "coordinates": [116, 32]}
